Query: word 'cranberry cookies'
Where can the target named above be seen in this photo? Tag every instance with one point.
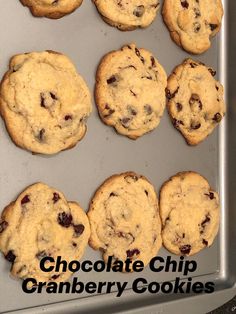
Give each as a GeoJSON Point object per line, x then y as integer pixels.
{"type": "Point", "coordinates": [42, 223]}
{"type": "Point", "coordinates": [195, 100]}
{"type": "Point", "coordinates": [130, 91]}
{"type": "Point", "coordinates": [192, 23]}
{"type": "Point", "coordinates": [124, 219]}
{"type": "Point", "coordinates": [44, 102]}
{"type": "Point", "coordinates": [190, 213]}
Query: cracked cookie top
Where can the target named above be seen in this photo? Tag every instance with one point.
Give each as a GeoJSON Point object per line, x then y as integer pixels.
{"type": "Point", "coordinates": [130, 91]}
{"type": "Point", "coordinates": [124, 219]}
{"type": "Point", "coordinates": [44, 101]}
{"type": "Point", "coordinates": [195, 100]}
{"type": "Point", "coordinates": [53, 9]}
{"type": "Point", "coordinates": [190, 213]}
{"type": "Point", "coordinates": [192, 23]}
{"type": "Point", "coordinates": [128, 15]}
{"type": "Point", "coordinates": [42, 223]}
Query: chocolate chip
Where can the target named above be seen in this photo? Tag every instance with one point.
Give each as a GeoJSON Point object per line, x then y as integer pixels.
{"type": "Point", "coordinates": [213, 73]}
{"type": "Point", "coordinates": [109, 111]}
{"type": "Point", "coordinates": [56, 197]}
{"type": "Point", "coordinates": [125, 122]}
{"type": "Point", "coordinates": [112, 80]}
{"type": "Point", "coordinates": [195, 125]}
{"type": "Point", "coordinates": [68, 117]}
{"type": "Point", "coordinates": [177, 123]}
{"type": "Point", "coordinates": [10, 257]}
{"type": "Point", "coordinates": [54, 277]}
{"type": "Point", "coordinates": [74, 244]}
{"type": "Point", "coordinates": [79, 229]}
{"type": "Point", "coordinates": [153, 61]}
{"type": "Point", "coordinates": [194, 98]}
{"type": "Point", "coordinates": [3, 226]}
{"type": "Point", "coordinates": [217, 88]}
{"type": "Point", "coordinates": [205, 221]}
{"type": "Point", "coordinates": [131, 253]}
{"type": "Point", "coordinates": [205, 242]}
{"type": "Point", "coordinates": [112, 194]}
{"type": "Point", "coordinates": [64, 219]}
{"type": "Point", "coordinates": [184, 4]}
{"type": "Point", "coordinates": [146, 192]}
{"type": "Point", "coordinates": [41, 134]}
{"type": "Point", "coordinates": [41, 255]}
{"type": "Point", "coordinates": [217, 117]}
{"type": "Point", "coordinates": [169, 95]}
{"type": "Point", "coordinates": [196, 27]}
{"type": "Point", "coordinates": [197, 12]}
{"type": "Point", "coordinates": [131, 110]}
{"type": "Point", "coordinates": [139, 55]}
{"type": "Point", "coordinates": [148, 110]}
{"type": "Point", "coordinates": [193, 65]}
{"type": "Point", "coordinates": [53, 96]}
{"type": "Point", "coordinates": [185, 249]}
{"type": "Point", "coordinates": [25, 200]}
{"type": "Point", "coordinates": [47, 99]}
{"type": "Point", "coordinates": [139, 11]}
{"type": "Point", "coordinates": [211, 195]}
{"type": "Point", "coordinates": [213, 26]}
{"type": "Point", "coordinates": [179, 107]}
{"type": "Point", "coordinates": [131, 177]}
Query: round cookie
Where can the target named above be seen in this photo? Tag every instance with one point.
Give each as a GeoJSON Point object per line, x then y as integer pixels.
{"type": "Point", "coordinates": [44, 102]}
{"type": "Point", "coordinates": [128, 15]}
{"type": "Point", "coordinates": [190, 212]}
{"type": "Point", "coordinates": [195, 100]}
{"type": "Point", "coordinates": [42, 223]}
{"type": "Point", "coordinates": [192, 23]}
{"type": "Point", "coordinates": [130, 91]}
{"type": "Point", "coordinates": [53, 9]}
{"type": "Point", "coordinates": [124, 219]}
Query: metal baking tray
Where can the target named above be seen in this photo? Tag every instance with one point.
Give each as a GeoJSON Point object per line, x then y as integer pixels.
{"type": "Point", "coordinates": [85, 38]}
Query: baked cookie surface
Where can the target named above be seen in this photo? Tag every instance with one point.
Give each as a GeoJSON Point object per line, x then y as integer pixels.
{"type": "Point", "coordinates": [128, 15]}
{"type": "Point", "coordinates": [51, 8]}
{"type": "Point", "coordinates": [195, 100]}
{"type": "Point", "coordinates": [190, 213]}
{"type": "Point", "coordinates": [124, 219]}
{"type": "Point", "coordinates": [44, 102]}
{"type": "Point", "coordinates": [42, 223]}
{"type": "Point", "coordinates": [192, 23]}
{"type": "Point", "coordinates": [130, 91]}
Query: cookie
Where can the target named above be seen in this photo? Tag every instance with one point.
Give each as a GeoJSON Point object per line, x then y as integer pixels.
{"type": "Point", "coordinates": [44, 101]}
{"type": "Point", "coordinates": [51, 8]}
{"type": "Point", "coordinates": [128, 15]}
{"type": "Point", "coordinates": [192, 23]}
{"type": "Point", "coordinates": [42, 223]}
{"type": "Point", "coordinates": [190, 213]}
{"type": "Point", "coordinates": [195, 100]}
{"type": "Point", "coordinates": [130, 91]}
{"type": "Point", "coordinates": [124, 219]}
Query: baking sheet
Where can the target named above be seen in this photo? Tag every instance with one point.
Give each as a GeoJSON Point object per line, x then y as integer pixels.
{"type": "Point", "coordinates": [85, 38]}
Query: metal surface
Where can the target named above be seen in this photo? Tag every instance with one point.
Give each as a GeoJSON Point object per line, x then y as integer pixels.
{"type": "Point", "coordinates": [85, 38]}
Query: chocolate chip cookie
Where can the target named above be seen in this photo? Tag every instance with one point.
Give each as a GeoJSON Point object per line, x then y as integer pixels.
{"type": "Point", "coordinates": [195, 100]}
{"type": "Point", "coordinates": [42, 223]}
{"type": "Point", "coordinates": [124, 219]}
{"type": "Point", "coordinates": [44, 101]}
{"type": "Point", "coordinates": [53, 9]}
{"type": "Point", "coordinates": [192, 23]}
{"type": "Point", "coordinates": [190, 213]}
{"type": "Point", "coordinates": [128, 15]}
{"type": "Point", "coordinates": [130, 91]}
